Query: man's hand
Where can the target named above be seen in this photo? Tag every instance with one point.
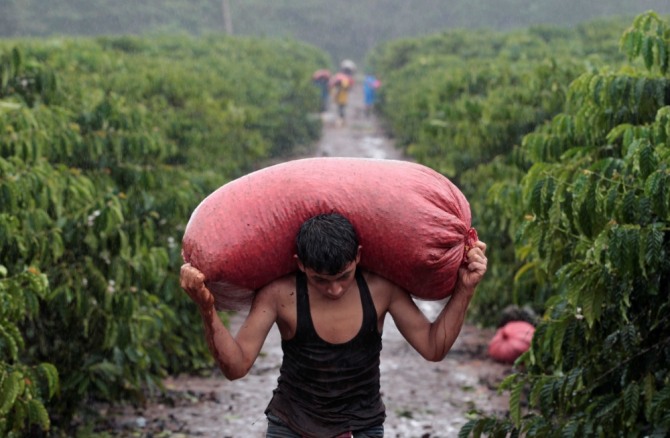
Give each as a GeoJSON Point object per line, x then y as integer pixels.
{"type": "Point", "coordinates": [472, 272]}
{"type": "Point", "coordinates": [193, 282]}
{"type": "Point", "coordinates": [434, 340]}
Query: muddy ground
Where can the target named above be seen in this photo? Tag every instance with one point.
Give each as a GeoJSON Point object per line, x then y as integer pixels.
{"type": "Point", "coordinates": [423, 399]}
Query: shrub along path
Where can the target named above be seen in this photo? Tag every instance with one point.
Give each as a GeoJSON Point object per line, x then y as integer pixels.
{"type": "Point", "coordinates": [423, 399]}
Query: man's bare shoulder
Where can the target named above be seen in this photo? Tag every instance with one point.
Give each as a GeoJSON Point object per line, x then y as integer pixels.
{"type": "Point", "coordinates": [381, 288]}
{"type": "Point", "coordinates": [279, 290]}
{"type": "Point", "coordinates": [376, 281]}
{"type": "Point", "coordinates": [280, 296]}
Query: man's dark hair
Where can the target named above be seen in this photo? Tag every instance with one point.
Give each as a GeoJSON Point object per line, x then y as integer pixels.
{"type": "Point", "coordinates": [327, 243]}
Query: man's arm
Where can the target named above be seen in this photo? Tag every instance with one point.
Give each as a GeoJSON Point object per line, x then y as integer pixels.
{"type": "Point", "coordinates": [234, 356]}
{"type": "Point", "coordinates": [434, 340]}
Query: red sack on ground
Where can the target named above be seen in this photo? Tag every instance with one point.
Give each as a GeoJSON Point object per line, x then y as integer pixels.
{"type": "Point", "coordinates": [511, 341]}
{"type": "Point", "coordinates": [412, 222]}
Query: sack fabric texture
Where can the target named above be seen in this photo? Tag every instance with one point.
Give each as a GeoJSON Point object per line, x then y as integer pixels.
{"type": "Point", "coordinates": [413, 223]}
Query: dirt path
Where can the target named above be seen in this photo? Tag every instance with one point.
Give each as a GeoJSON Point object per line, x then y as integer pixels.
{"type": "Point", "coordinates": [423, 399]}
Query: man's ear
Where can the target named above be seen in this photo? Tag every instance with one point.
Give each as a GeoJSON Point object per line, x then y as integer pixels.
{"type": "Point", "coordinates": [358, 254]}
{"type": "Point", "coordinates": [299, 263]}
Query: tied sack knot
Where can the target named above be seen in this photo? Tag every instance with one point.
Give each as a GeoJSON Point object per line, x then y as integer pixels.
{"type": "Point", "coordinates": [470, 239]}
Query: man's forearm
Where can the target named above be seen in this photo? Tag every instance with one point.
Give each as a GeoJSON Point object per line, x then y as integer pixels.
{"type": "Point", "coordinates": [220, 342]}
{"type": "Point", "coordinates": [449, 323]}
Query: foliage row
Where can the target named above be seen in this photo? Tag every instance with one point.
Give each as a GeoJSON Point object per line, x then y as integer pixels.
{"type": "Point", "coordinates": [584, 203]}
{"type": "Point", "coordinates": [460, 101]}
{"type": "Point", "coordinates": [107, 146]}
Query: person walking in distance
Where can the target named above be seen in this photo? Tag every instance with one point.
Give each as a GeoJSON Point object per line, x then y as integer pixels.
{"type": "Point", "coordinates": [340, 85]}
{"type": "Point", "coordinates": [321, 79]}
{"type": "Point", "coordinates": [370, 86]}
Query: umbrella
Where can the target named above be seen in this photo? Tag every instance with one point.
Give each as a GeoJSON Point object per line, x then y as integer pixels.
{"type": "Point", "coordinates": [342, 79]}
{"type": "Point", "coordinates": [321, 74]}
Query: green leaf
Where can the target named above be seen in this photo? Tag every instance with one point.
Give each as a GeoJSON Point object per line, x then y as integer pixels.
{"type": "Point", "coordinates": [648, 52]}
{"type": "Point", "coordinates": [570, 430]}
{"type": "Point", "coordinates": [547, 397]}
{"type": "Point", "coordinates": [17, 60]}
{"type": "Point", "coordinates": [524, 269]}
{"type": "Point", "coordinates": [467, 429]}
{"type": "Point", "coordinates": [515, 402]}
{"type": "Point", "coordinates": [9, 391]}
{"type": "Point", "coordinates": [536, 387]}
{"type": "Point", "coordinates": [508, 381]}
{"type": "Point", "coordinates": [631, 399]}
{"type": "Point", "coordinates": [607, 405]}
{"type": "Point", "coordinates": [11, 338]}
{"type": "Point", "coordinates": [106, 368]}
{"type": "Point", "coordinates": [572, 383]}
{"type": "Point", "coordinates": [648, 160]}
{"type": "Point", "coordinates": [50, 374]}
{"type": "Point", "coordinates": [656, 188]}
{"type": "Point", "coordinates": [654, 245]}
{"type": "Point", "coordinates": [630, 207]}
{"type": "Point", "coordinates": [592, 298]}
{"type": "Point", "coordinates": [587, 211]}
{"type": "Point", "coordinates": [557, 332]}
{"type": "Point", "coordinates": [664, 55]}
{"type": "Point", "coordinates": [536, 198]}
{"type": "Point", "coordinates": [37, 414]}
{"type": "Point", "coordinates": [649, 394]}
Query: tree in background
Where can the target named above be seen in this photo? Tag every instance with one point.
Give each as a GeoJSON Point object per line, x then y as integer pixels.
{"type": "Point", "coordinates": [345, 28]}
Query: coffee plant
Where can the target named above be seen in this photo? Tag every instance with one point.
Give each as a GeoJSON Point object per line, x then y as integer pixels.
{"type": "Point", "coordinates": [596, 224]}
{"type": "Point", "coordinates": [107, 147]}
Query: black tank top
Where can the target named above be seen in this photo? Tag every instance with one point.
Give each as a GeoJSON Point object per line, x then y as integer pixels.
{"type": "Point", "coordinates": [327, 389]}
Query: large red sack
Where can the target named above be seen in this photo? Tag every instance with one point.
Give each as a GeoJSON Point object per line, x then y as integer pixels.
{"type": "Point", "coordinates": [412, 222]}
{"type": "Point", "coordinates": [511, 341]}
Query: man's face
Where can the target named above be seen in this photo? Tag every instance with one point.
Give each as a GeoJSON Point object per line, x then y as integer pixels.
{"type": "Point", "coordinates": [331, 286]}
